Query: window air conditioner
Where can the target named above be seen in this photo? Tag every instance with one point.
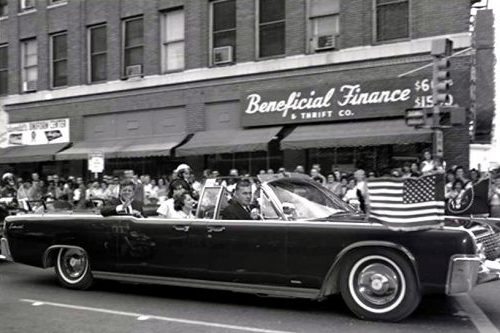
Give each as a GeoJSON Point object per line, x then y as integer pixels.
{"type": "Point", "coordinates": [29, 85]}
{"type": "Point", "coordinates": [27, 4]}
{"type": "Point", "coordinates": [135, 70]}
{"type": "Point", "coordinates": [326, 42]}
{"type": "Point", "coordinates": [223, 55]}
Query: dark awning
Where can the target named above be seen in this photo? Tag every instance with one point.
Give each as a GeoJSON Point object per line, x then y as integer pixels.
{"type": "Point", "coordinates": [80, 150]}
{"type": "Point", "coordinates": [32, 153]}
{"type": "Point", "coordinates": [355, 134]}
{"type": "Point", "coordinates": [228, 141]}
{"type": "Point", "coordinates": [123, 148]}
{"type": "Point", "coordinates": [152, 146]}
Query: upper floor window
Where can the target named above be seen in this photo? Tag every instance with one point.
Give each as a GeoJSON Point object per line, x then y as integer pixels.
{"type": "Point", "coordinates": [25, 5]}
{"type": "Point", "coordinates": [271, 21]}
{"type": "Point", "coordinates": [133, 47]}
{"type": "Point", "coordinates": [4, 8]}
{"type": "Point", "coordinates": [54, 2]}
{"type": "Point", "coordinates": [392, 19]}
{"type": "Point", "coordinates": [324, 24]}
{"type": "Point", "coordinates": [173, 40]}
{"type": "Point", "coordinates": [59, 60]}
{"type": "Point", "coordinates": [223, 31]}
{"type": "Point", "coordinates": [97, 56]}
{"type": "Point", "coordinates": [4, 70]}
{"type": "Point", "coordinates": [29, 62]}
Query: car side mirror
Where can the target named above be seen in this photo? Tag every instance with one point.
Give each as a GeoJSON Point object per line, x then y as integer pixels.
{"type": "Point", "coordinates": [289, 210]}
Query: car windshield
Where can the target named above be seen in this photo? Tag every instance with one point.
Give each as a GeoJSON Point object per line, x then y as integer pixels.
{"type": "Point", "coordinates": [307, 199]}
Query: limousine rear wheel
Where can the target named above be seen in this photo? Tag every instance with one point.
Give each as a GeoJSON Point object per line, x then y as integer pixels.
{"type": "Point", "coordinates": [73, 268]}
{"type": "Point", "coordinates": [379, 284]}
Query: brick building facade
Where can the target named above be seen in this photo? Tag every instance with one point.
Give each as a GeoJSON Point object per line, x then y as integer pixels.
{"type": "Point", "coordinates": [183, 87]}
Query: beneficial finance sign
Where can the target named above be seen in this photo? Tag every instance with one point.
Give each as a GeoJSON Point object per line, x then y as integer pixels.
{"type": "Point", "coordinates": [346, 101]}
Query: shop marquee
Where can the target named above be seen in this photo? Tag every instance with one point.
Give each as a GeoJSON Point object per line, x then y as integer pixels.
{"type": "Point", "coordinates": [344, 101]}
{"type": "Point", "coordinates": [38, 132]}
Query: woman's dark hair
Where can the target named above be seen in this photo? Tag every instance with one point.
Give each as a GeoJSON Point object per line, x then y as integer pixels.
{"type": "Point", "coordinates": [179, 200]}
{"type": "Point", "coordinates": [458, 181]}
{"type": "Point", "coordinates": [175, 184]}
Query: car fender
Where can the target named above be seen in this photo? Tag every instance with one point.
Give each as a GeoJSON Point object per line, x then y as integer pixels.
{"type": "Point", "coordinates": [49, 256]}
{"type": "Point", "coordinates": [330, 282]}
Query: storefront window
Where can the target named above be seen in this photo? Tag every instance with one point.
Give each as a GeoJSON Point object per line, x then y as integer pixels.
{"type": "Point", "coordinates": [248, 162]}
{"type": "Point", "coordinates": [377, 159]}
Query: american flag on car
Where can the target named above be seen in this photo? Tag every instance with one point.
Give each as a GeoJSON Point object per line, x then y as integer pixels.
{"type": "Point", "coordinates": [407, 203]}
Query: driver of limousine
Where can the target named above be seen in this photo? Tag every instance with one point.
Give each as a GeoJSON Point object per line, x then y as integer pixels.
{"type": "Point", "coordinates": [239, 207]}
{"type": "Point", "coordinates": [125, 205]}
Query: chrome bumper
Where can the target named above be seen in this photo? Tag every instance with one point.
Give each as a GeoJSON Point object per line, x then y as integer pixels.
{"type": "Point", "coordinates": [5, 250]}
{"type": "Point", "coordinates": [467, 271]}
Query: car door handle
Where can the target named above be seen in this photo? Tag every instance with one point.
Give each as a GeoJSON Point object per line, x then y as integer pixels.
{"type": "Point", "coordinates": [216, 229]}
{"type": "Point", "coordinates": [184, 228]}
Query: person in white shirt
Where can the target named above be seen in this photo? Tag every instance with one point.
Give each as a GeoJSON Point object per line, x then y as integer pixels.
{"type": "Point", "coordinates": [183, 206]}
{"type": "Point", "coordinates": [427, 165]}
{"type": "Point", "coordinates": [176, 187]}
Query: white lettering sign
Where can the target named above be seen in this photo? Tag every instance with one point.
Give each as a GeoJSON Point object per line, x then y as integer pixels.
{"type": "Point", "coordinates": [38, 132]}
{"type": "Point", "coordinates": [350, 95]}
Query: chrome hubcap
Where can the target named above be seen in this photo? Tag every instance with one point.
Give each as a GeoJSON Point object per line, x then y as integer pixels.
{"type": "Point", "coordinates": [74, 262]}
{"type": "Point", "coordinates": [377, 284]}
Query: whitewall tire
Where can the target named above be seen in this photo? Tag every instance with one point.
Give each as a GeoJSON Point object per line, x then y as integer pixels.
{"type": "Point", "coordinates": [73, 268]}
{"type": "Point", "coordinates": [379, 284]}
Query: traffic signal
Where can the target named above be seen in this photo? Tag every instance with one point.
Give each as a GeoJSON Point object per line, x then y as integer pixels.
{"type": "Point", "coordinates": [415, 117]}
{"type": "Point", "coordinates": [440, 80]}
{"type": "Point", "coordinates": [441, 49]}
{"type": "Point", "coordinates": [452, 116]}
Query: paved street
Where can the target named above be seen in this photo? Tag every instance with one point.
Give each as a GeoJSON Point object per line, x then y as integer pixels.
{"type": "Point", "coordinates": [31, 301]}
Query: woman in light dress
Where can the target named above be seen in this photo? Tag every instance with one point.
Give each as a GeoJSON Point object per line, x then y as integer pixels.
{"type": "Point", "coordinates": [183, 206]}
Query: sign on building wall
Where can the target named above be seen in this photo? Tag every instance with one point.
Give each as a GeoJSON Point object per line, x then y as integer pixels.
{"type": "Point", "coordinates": [96, 162]}
{"type": "Point", "coordinates": [38, 132]}
{"type": "Point", "coordinates": [346, 101]}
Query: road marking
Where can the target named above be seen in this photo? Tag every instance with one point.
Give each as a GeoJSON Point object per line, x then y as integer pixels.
{"type": "Point", "coordinates": [476, 315]}
{"type": "Point", "coordinates": [140, 316]}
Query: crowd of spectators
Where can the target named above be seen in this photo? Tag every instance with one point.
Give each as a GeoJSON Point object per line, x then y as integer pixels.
{"type": "Point", "coordinates": [75, 192]}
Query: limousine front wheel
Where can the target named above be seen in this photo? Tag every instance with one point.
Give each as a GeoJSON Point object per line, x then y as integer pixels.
{"type": "Point", "coordinates": [73, 269]}
{"type": "Point", "coordinates": [379, 284]}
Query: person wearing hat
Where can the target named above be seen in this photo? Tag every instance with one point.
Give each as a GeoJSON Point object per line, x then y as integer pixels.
{"type": "Point", "coordinates": [184, 172]}
{"type": "Point", "coordinates": [9, 188]}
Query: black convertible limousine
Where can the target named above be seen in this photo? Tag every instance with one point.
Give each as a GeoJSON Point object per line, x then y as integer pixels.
{"type": "Point", "coordinates": [307, 243]}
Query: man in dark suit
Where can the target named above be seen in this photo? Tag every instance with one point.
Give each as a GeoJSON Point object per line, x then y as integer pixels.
{"type": "Point", "coordinates": [125, 205]}
{"type": "Point", "coordinates": [239, 206]}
